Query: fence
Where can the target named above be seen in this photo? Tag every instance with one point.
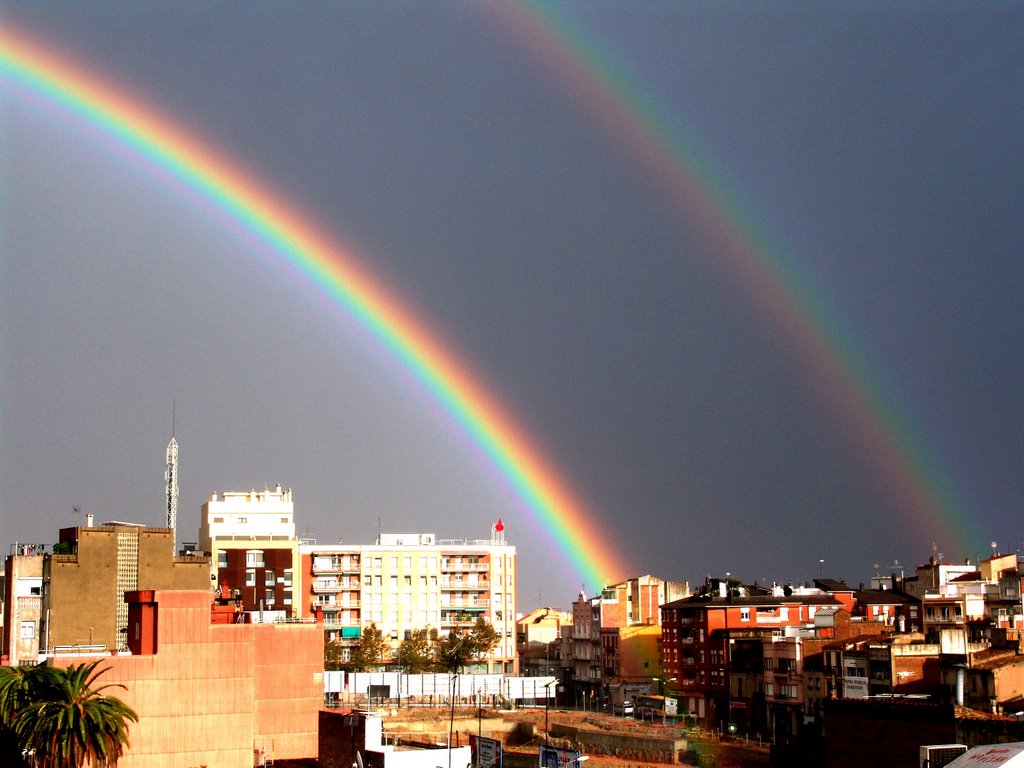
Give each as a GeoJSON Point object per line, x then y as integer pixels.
{"type": "Point", "coordinates": [400, 689]}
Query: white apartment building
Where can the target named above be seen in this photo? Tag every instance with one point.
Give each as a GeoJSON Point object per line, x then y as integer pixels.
{"type": "Point", "coordinates": [412, 581]}
{"type": "Point", "coordinates": [254, 553]}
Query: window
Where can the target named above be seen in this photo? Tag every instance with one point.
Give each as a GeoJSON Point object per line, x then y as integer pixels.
{"type": "Point", "coordinates": [243, 520]}
{"type": "Point", "coordinates": [28, 630]}
{"type": "Point", "coordinates": [254, 558]}
{"type": "Point", "coordinates": [744, 614]}
{"type": "Point", "coordinates": [288, 577]}
{"type": "Point", "coordinates": [250, 578]}
{"type": "Point", "coordinates": [268, 578]}
{"type": "Point", "coordinates": [218, 519]}
{"type": "Point", "coordinates": [284, 520]}
{"type": "Point", "coordinates": [270, 597]}
{"type": "Point", "coordinates": [222, 559]}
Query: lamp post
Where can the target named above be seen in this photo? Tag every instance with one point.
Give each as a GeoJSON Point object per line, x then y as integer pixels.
{"type": "Point", "coordinates": [547, 703]}
{"type": "Point", "coordinates": [821, 567]}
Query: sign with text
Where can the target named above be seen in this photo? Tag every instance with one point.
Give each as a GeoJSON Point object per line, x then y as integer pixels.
{"type": "Point", "coordinates": [555, 757]}
{"type": "Point", "coordinates": [486, 752]}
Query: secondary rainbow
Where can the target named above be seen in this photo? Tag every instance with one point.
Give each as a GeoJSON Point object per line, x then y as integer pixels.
{"type": "Point", "coordinates": [675, 165]}
{"type": "Point", "coordinates": [336, 271]}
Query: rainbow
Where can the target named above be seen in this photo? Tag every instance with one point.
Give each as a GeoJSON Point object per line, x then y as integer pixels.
{"type": "Point", "coordinates": [335, 271]}
{"type": "Point", "coordinates": [673, 163]}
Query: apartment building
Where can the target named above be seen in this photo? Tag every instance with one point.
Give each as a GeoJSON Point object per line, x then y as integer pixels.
{"type": "Point", "coordinates": [538, 641]}
{"type": "Point", "coordinates": [82, 590]}
{"type": "Point", "coordinates": [23, 605]}
{"type": "Point", "coordinates": [723, 628]}
{"type": "Point", "coordinates": [254, 552]}
{"type": "Point", "coordinates": [404, 582]}
{"type": "Point", "coordinates": [589, 681]}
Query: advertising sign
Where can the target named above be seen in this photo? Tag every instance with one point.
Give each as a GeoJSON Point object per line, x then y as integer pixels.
{"type": "Point", "coordinates": [486, 752]}
{"type": "Point", "coordinates": [555, 757]}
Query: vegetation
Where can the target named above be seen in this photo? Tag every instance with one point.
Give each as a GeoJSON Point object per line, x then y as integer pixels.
{"type": "Point", "coordinates": [372, 651]}
{"type": "Point", "coordinates": [415, 653]}
{"type": "Point", "coordinates": [455, 651]}
{"type": "Point", "coordinates": [334, 655]}
{"type": "Point", "coordinates": [61, 717]}
{"type": "Point", "coordinates": [425, 650]}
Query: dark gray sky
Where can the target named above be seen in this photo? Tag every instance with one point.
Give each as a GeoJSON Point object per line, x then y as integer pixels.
{"type": "Point", "coordinates": [879, 145]}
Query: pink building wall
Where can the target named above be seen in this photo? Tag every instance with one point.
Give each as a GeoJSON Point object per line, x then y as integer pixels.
{"type": "Point", "coordinates": [211, 695]}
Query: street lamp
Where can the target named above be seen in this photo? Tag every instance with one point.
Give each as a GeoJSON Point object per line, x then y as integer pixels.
{"type": "Point", "coordinates": [547, 702]}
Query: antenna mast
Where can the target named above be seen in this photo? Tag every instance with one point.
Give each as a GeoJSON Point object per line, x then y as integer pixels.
{"type": "Point", "coordinates": [171, 478]}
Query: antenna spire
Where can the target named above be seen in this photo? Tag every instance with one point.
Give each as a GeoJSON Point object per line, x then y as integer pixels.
{"type": "Point", "coordinates": [171, 480]}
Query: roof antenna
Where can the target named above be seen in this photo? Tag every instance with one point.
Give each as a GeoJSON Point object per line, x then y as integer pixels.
{"type": "Point", "coordinates": [171, 478]}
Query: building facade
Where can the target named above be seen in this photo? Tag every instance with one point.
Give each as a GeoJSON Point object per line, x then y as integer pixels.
{"type": "Point", "coordinates": [404, 582]}
{"type": "Point", "coordinates": [254, 552]}
{"type": "Point", "coordinates": [83, 591]}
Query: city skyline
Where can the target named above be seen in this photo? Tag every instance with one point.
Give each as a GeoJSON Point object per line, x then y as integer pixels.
{"type": "Point", "coordinates": [496, 169]}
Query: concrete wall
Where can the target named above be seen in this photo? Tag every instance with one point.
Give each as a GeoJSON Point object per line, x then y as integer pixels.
{"type": "Point", "coordinates": [211, 695]}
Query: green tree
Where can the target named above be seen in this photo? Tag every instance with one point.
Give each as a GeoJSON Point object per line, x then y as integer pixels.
{"type": "Point", "coordinates": [415, 652]}
{"type": "Point", "coordinates": [64, 718]}
{"type": "Point", "coordinates": [334, 655]}
{"type": "Point", "coordinates": [15, 693]}
{"type": "Point", "coordinates": [454, 651]}
{"type": "Point", "coordinates": [371, 652]}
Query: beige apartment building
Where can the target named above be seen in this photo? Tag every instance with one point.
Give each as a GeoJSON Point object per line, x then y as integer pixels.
{"type": "Point", "coordinates": [404, 582]}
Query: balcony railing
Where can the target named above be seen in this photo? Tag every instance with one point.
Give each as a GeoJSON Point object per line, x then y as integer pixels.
{"type": "Point", "coordinates": [456, 566]}
{"type": "Point", "coordinates": [464, 586]}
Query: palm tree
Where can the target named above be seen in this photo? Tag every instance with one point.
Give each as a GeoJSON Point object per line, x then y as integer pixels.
{"type": "Point", "coordinates": [69, 721]}
{"type": "Point", "coordinates": [15, 693]}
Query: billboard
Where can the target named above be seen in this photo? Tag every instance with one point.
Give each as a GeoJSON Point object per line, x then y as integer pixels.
{"type": "Point", "coordinates": [555, 757]}
{"type": "Point", "coordinates": [486, 752]}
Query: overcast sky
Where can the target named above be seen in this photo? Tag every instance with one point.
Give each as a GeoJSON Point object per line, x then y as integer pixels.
{"type": "Point", "coordinates": [879, 146]}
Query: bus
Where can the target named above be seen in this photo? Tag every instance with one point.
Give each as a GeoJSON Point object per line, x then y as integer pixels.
{"type": "Point", "coordinates": [649, 708]}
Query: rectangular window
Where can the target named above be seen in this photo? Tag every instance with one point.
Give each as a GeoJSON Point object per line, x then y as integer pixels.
{"type": "Point", "coordinates": [288, 577]}
{"type": "Point", "coordinates": [268, 578]}
{"type": "Point", "coordinates": [218, 519]}
{"type": "Point", "coordinates": [243, 520]}
{"type": "Point", "coordinates": [222, 559]}
{"type": "Point", "coordinates": [250, 578]}
{"type": "Point", "coordinates": [254, 558]}
{"type": "Point", "coordinates": [270, 597]}
{"type": "Point", "coordinates": [28, 630]}
{"type": "Point", "coordinates": [744, 614]}
{"type": "Point", "coordinates": [287, 597]}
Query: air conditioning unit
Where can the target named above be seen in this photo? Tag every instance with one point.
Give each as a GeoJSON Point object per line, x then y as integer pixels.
{"type": "Point", "coordinates": [938, 755]}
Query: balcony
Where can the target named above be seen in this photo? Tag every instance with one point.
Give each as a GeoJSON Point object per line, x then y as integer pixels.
{"type": "Point", "coordinates": [463, 586]}
{"type": "Point", "coordinates": [455, 566]}
{"type": "Point", "coordinates": [337, 565]}
{"type": "Point", "coordinates": [477, 604]}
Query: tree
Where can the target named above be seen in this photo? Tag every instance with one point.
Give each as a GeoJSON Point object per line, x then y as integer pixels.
{"type": "Point", "coordinates": [372, 650]}
{"type": "Point", "coordinates": [452, 652]}
{"type": "Point", "coordinates": [63, 717]}
{"type": "Point", "coordinates": [15, 693]}
{"type": "Point", "coordinates": [414, 653]}
{"type": "Point", "coordinates": [334, 655]}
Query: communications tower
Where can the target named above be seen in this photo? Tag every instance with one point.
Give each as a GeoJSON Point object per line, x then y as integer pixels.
{"type": "Point", "coordinates": [171, 478]}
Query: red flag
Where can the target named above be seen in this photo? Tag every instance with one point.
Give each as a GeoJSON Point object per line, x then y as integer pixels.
{"type": "Point", "coordinates": [499, 526]}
